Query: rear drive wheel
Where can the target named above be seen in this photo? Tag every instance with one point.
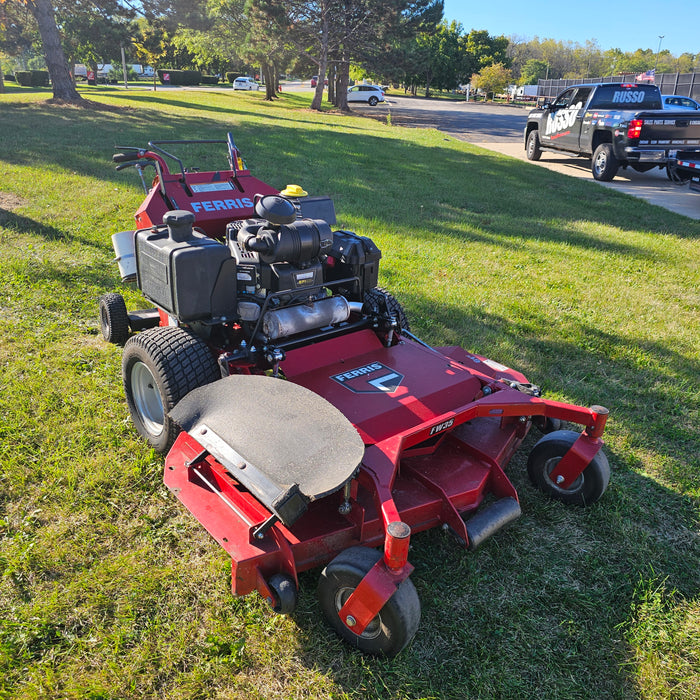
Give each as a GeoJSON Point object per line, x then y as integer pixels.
{"type": "Point", "coordinates": [114, 319]}
{"type": "Point", "coordinates": [588, 487]}
{"type": "Point", "coordinates": [372, 101]}
{"type": "Point", "coordinates": [159, 367]}
{"type": "Point", "coordinates": [605, 165]}
{"type": "Point", "coordinates": [377, 297]}
{"type": "Point", "coordinates": [533, 150]}
{"type": "Point", "coordinates": [395, 625]}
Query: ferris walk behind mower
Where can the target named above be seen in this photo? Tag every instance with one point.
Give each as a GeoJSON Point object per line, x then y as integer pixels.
{"type": "Point", "coordinates": [304, 424]}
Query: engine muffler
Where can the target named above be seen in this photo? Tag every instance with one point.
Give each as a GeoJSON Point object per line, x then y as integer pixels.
{"type": "Point", "coordinates": [305, 317]}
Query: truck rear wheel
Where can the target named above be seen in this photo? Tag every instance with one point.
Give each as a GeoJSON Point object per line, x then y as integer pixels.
{"type": "Point", "coordinates": [532, 149]}
{"type": "Point", "coordinates": [605, 165]}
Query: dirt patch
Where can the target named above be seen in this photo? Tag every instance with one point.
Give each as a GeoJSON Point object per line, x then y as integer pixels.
{"type": "Point", "coordinates": [83, 103]}
{"type": "Point", "coordinates": [10, 202]}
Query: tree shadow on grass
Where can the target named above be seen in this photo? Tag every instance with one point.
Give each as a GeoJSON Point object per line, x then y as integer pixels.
{"type": "Point", "coordinates": [377, 173]}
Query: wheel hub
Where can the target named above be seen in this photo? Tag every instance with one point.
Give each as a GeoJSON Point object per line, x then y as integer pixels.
{"type": "Point", "coordinates": [550, 466]}
{"type": "Point", "coordinates": [147, 399]}
{"type": "Point", "coordinates": [373, 629]}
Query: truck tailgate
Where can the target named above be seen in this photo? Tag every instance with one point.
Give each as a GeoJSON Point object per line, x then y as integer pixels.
{"type": "Point", "coordinates": [670, 128]}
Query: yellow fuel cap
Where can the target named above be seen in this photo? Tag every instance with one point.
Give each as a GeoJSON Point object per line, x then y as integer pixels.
{"type": "Point", "coordinates": [293, 191]}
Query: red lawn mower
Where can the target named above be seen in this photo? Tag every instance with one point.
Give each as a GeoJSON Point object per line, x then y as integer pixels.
{"type": "Point", "coordinates": [304, 424]}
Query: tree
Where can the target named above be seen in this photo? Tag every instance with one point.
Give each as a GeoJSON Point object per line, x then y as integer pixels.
{"type": "Point", "coordinates": [266, 42]}
{"type": "Point", "coordinates": [93, 32]}
{"type": "Point", "coordinates": [394, 55]}
{"type": "Point", "coordinates": [486, 49]}
{"type": "Point", "coordinates": [150, 43]}
{"type": "Point", "coordinates": [533, 71]}
{"type": "Point", "coordinates": [444, 57]}
{"type": "Point", "coordinates": [61, 76]}
{"type": "Point", "coordinates": [492, 79]}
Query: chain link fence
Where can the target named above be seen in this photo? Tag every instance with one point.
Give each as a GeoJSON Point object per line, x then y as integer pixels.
{"type": "Point", "coordinates": [685, 84]}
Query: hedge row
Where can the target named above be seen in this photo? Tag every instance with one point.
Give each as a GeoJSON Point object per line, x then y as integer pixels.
{"type": "Point", "coordinates": [32, 78]}
{"type": "Point", "coordinates": [180, 77]}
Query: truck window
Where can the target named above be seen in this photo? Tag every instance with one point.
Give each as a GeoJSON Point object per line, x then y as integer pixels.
{"type": "Point", "coordinates": [564, 99]}
{"type": "Point", "coordinates": [582, 95]}
{"type": "Point", "coordinates": [626, 97]}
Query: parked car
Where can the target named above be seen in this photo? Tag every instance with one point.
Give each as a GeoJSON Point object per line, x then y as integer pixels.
{"type": "Point", "coordinates": [314, 81]}
{"type": "Point", "coordinates": [678, 102]}
{"type": "Point", "coordinates": [371, 94]}
{"type": "Point", "coordinates": [245, 83]}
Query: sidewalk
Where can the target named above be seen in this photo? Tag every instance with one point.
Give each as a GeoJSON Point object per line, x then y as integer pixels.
{"type": "Point", "coordinates": [653, 186]}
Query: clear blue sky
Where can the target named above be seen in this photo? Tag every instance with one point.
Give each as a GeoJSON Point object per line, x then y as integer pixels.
{"type": "Point", "coordinates": [626, 24]}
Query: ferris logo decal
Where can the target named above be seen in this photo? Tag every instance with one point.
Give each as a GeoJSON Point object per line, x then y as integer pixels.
{"type": "Point", "coordinates": [442, 426]}
{"type": "Point", "coordinates": [222, 205]}
{"type": "Point", "coordinates": [374, 378]}
{"type": "Point", "coordinates": [562, 119]}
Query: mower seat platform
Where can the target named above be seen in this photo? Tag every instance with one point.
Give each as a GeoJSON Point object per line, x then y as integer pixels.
{"type": "Point", "coordinates": [287, 445]}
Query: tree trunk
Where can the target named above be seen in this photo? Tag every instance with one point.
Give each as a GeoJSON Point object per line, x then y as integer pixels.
{"type": "Point", "coordinates": [331, 83]}
{"type": "Point", "coordinates": [343, 68]}
{"type": "Point", "coordinates": [322, 59]}
{"type": "Point", "coordinates": [2, 81]}
{"type": "Point", "coordinates": [318, 95]}
{"type": "Point", "coordinates": [63, 86]}
{"type": "Point", "coordinates": [270, 75]}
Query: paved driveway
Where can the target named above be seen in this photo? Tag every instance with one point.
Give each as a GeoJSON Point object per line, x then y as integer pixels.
{"type": "Point", "coordinates": [500, 128]}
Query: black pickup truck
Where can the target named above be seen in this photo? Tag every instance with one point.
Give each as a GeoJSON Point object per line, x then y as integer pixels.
{"type": "Point", "coordinates": [615, 125]}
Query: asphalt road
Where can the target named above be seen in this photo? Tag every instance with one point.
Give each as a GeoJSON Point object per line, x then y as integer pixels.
{"type": "Point", "coordinates": [500, 128]}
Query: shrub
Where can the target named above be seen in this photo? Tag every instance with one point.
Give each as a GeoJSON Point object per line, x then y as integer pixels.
{"type": "Point", "coordinates": [10, 77]}
{"type": "Point", "coordinates": [230, 77]}
{"type": "Point", "coordinates": [180, 77]}
{"type": "Point", "coordinates": [210, 80]}
{"type": "Point", "coordinates": [116, 74]}
{"type": "Point", "coordinates": [32, 78]}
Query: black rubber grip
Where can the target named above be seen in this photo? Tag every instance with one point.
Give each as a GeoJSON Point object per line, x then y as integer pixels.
{"type": "Point", "coordinates": [130, 164]}
{"type": "Point", "coordinates": [123, 157]}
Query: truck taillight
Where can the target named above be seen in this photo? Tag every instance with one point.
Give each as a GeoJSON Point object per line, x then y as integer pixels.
{"type": "Point", "coordinates": [634, 130]}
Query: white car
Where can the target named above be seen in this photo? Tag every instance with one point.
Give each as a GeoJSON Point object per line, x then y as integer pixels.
{"type": "Point", "coordinates": [371, 94]}
{"type": "Point", "coordinates": [244, 83]}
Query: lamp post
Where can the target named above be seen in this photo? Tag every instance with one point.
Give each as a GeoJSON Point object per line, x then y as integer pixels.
{"type": "Point", "coordinates": [658, 51]}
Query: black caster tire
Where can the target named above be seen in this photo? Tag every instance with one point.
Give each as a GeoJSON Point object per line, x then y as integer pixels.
{"type": "Point", "coordinates": [285, 594]}
{"type": "Point", "coordinates": [114, 319]}
{"type": "Point", "coordinates": [395, 625]}
{"type": "Point", "coordinates": [547, 425]}
{"type": "Point", "coordinates": [546, 454]}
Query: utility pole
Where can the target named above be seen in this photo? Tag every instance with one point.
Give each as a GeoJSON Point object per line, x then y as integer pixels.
{"type": "Point", "coordinates": [658, 51]}
{"type": "Point", "coordinates": [126, 84]}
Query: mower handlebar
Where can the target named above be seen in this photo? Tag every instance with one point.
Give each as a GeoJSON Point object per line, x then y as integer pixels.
{"type": "Point", "coordinates": [123, 157]}
{"type": "Point", "coordinates": [130, 164]}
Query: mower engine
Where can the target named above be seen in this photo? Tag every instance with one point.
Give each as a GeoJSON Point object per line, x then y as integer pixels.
{"type": "Point", "coordinates": [272, 275]}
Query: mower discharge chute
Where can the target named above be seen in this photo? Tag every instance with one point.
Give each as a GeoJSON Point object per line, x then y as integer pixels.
{"type": "Point", "coordinates": [304, 424]}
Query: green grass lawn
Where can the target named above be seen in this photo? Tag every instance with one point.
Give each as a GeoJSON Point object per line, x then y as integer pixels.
{"type": "Point", "coordinates": [110, 590]}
